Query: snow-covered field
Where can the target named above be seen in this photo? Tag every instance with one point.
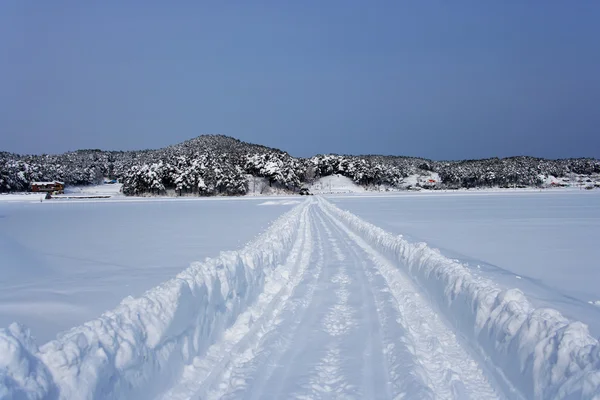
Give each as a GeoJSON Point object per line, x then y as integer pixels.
{"type": "Point", "coordinates": [325, 303]}
{"type": "Point", "coordinates": [65, 262]}
{"type": "Point", "coordinates": [544, 242]}
{"type": "Point", "coordinates": [335, 184]}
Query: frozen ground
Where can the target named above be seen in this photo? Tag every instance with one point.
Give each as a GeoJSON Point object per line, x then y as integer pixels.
{"type": "Point", "coordinates": [322, 305]}
{"type": "Point", "coordinates": [64, 262]}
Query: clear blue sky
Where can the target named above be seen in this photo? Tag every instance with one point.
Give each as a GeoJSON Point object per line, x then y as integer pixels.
{"type": "Point", "coordinates": [437, 79]}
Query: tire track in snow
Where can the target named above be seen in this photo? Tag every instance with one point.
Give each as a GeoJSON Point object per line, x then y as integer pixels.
{"type": "Point", "coordinates": [337, 323]}
{"type": "Point", "coordinates": [450, 372]}
{"type": "Point", "coordinates": [249, 376]}
{"type": "Point", "coordinates": [348, 361]}
{"type": "Point", "coordinates": [311, 342]}
{"type": "Point", "coordinates": [197, 379]}
{"type": "Point", "coordinates": [400, 375]}
{"type": "Point", "coordinates": [337, 320]}
{"type": "Point", "coordinates": [373, 374]}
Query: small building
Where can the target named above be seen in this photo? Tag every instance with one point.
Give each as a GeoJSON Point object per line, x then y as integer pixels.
{"type": "Point", "coordinates": [48, 187]}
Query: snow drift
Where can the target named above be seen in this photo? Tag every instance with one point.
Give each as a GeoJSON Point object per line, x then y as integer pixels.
{"type": "Point", "coordinates": [533, 353]}
{"type": "Point", "coordinates": [121, 353]}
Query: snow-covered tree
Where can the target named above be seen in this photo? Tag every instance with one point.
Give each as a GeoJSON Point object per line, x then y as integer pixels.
{"type": "Point", "coordinates": [220, 165]}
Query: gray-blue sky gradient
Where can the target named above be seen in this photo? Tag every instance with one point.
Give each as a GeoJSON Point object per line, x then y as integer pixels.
{"type": "Point", "coordinates": [437, 79]}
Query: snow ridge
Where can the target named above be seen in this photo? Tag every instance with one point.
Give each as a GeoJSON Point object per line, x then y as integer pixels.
{"type": "Point", "coordinates": [119, 354]}
{"type": "Point", "coordinates": [533, 353]}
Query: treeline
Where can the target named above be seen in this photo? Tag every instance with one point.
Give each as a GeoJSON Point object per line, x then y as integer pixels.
{"type": "Point", "coordinates": [220, 165]}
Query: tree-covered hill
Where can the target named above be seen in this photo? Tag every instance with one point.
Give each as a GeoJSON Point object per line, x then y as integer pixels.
{"type": "Point", "coordinates": [221, 165]}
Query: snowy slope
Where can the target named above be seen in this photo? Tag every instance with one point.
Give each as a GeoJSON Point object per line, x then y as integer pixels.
{"type": "Point", "coordinates": [321, 305]}
{"type": "Point", "coordinates": [21, 197]}
{"type": "Point", "coordinates": [114, 189]}
{"type": "Point", "coordinates": [335, 184]}
{"type": "Point", "coordinates": [423, 179]}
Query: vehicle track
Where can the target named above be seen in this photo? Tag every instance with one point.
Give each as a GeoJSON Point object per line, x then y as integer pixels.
{"type": "Point", "coordinates": [338, 320]}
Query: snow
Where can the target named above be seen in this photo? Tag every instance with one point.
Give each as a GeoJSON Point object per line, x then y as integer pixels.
{"type": "Point", "coordinates": [66, 262]}
{"type": "Point", "coordinates": [104, 190]}
{"type": "Point", "coordinates": [423, 179]}
{"type": "Point", "coordinates": [322, 304]}
{"type": "Point", "coordinates": [335, 184]}
{"type": "Point", "coordinates": [548, 180]}
{"type": "Point", "coordinates": [279, 202]}
{"type": "Point", "coordinates": [572, 180]}
{"type": "Point", "coordinates": [113, 189]}
{"type": "Point", "coordinates": [21, 197]}
{"type": "Point", "coordinates": [543, 243]}
{"type": "Point", "coordinates": [537, 352]}
{"type": "Point", "coordinates": [124, 349]}
{"type": "Point", "coordinates": [46, 183]}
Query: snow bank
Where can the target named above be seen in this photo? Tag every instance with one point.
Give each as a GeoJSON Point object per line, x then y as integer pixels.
{"type": "Point", "coordinates": [20, 197]}
{"type": "Point", "coordinates": [122, 353]}
{"type": "Point", "coordinates": [335, 184]}
{"type": "Point", "coordinates": [534, 353]}
{"type": "Point", "coordinates": [111, 189]}
{"type": "Point", "coordinates": [425, 179]}
{"type": "Point", "coordinates": [280, 203]}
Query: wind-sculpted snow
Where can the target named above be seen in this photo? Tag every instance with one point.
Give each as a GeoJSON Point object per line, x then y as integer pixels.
{"type": "Point", "coordinates": [533, 353]}
{"type": "Point", "coordinates": [139, 347]}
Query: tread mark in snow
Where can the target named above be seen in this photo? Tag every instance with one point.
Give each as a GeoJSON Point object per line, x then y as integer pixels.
{"type": "Point", "coordinates": [280, 338]}
{"type": "Point", "coordinates": [338, 320]}
{"type": "Point", "coordinates": [450, 371]}
{"type": "Point", "coordinates": [198, 379]}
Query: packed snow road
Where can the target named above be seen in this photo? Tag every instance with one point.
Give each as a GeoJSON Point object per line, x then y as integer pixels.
{"type": "Point", "coordinates": [323, 305]}
{"type": "Point", "coordinates": [338, 321]}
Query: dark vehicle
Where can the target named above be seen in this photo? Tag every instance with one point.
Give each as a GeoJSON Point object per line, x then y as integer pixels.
{"type": "Point", "coordinates": [304, 192]}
